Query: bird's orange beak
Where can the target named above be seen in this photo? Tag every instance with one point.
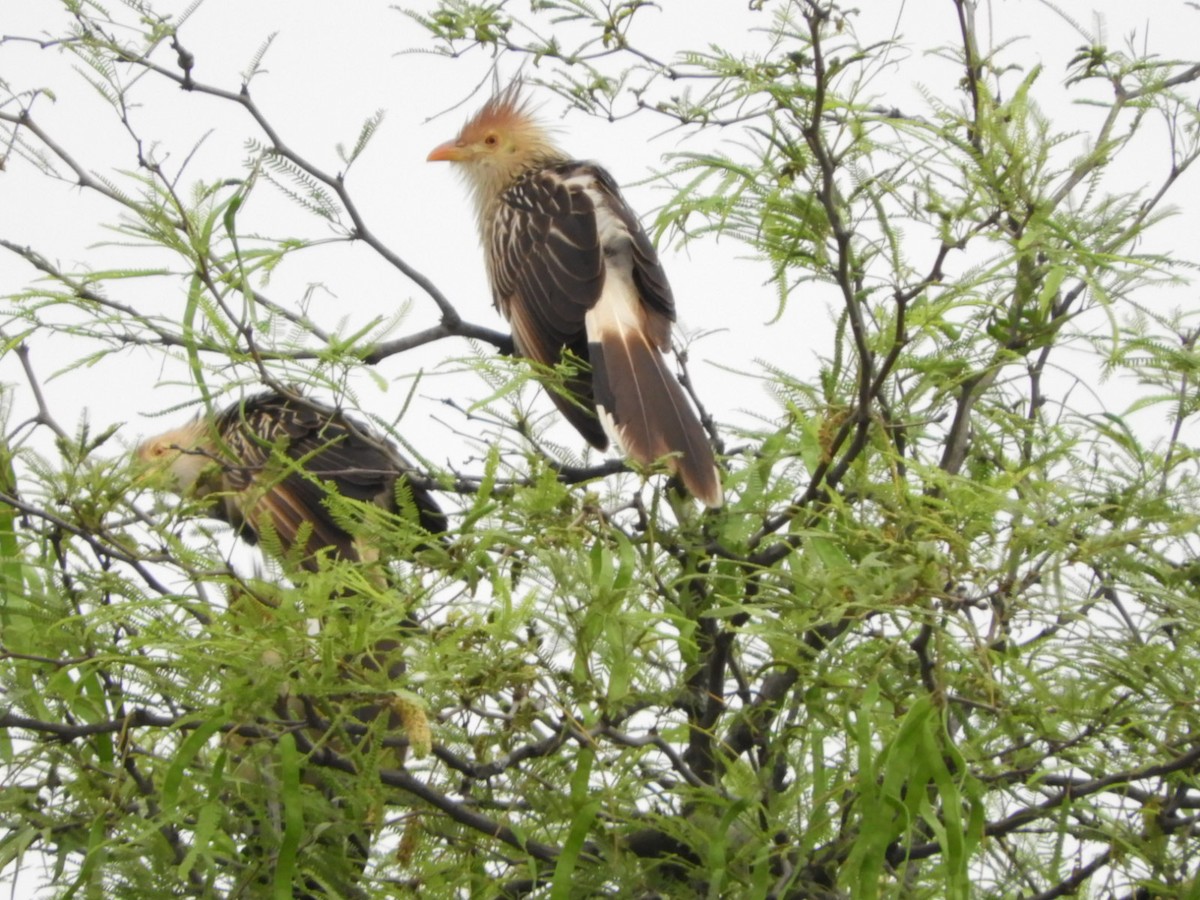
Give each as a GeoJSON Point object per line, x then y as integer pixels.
{"type": "Point", "coordinates": [451, 151]}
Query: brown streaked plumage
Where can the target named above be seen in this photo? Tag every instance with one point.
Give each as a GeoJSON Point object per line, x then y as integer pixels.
{"type": "Point", "coordinates": [274, 460]}
{"type": "Point", "coordinates": [572, 270]}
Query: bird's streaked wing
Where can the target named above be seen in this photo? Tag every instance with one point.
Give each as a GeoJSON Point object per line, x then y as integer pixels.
{"type": "Point", "coordinates": [324, 447]}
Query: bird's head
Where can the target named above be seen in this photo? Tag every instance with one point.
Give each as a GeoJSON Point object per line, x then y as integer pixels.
{"type": "Point", "coordinates": [178, 457]}
{"type": "Point", "coordinates": [499, 142]}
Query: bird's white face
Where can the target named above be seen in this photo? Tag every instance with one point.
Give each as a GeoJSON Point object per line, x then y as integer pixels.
{"type": "Point", "coordinates": [177, 455]}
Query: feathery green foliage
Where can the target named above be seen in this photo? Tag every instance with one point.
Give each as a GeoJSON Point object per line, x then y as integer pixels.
{"type": "Point", "coordinates": [942, 640]}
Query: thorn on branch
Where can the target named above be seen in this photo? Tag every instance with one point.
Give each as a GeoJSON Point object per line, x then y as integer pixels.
{"type": "Point", "coordinates": [507, 346]}
{"type": "Point", "coordinates": [186, 61]}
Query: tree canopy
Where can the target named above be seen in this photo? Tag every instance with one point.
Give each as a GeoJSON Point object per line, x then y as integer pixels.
{"type": "Point", "coordinates": [942, 640]}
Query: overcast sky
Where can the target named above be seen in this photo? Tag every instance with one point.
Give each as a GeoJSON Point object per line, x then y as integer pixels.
{"type": "Point", "coordinates": [333, 65]}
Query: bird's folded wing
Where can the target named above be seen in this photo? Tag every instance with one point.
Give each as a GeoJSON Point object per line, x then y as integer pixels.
{"type": "Point", "coordinates": [273, 431]}
{"type": "Point", "coordinates": [547, 263]}
{"type": "Point", "coordinates": [648, 275]}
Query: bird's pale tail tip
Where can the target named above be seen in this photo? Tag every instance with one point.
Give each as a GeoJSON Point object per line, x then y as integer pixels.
{"type": "Point", "coordinates": [705, 487]}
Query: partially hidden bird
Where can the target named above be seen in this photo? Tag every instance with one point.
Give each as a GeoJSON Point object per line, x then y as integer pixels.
{"type": "Point", "coordinates": [573, 271]}
{"type": "Point", "coordinates": [273, 460]}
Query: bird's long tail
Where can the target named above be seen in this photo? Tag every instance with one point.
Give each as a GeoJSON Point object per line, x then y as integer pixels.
{"type": "Point", "coordinates": [642, 405]}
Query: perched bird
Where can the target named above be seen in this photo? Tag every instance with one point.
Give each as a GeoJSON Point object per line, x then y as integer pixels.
{"type": "Point", "coordinates": [571, 268]}
{"type": "Point", "coordinates": [273, 460]}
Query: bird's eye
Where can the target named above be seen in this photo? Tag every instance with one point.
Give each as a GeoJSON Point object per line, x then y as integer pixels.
{"type": "Point", "coordinates": [491, 140]}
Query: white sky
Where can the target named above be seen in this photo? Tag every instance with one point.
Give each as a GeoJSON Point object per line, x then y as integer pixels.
{"type": "Point", "coordinates": [334, 64]}
{"type": "Point", "coordinates": [329, 70]}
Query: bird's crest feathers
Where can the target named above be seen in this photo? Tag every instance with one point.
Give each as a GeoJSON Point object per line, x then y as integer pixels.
{"type": "Point", "coordinates": [509, 114]}
{"type": "Point", "coordinates": [499, 143]}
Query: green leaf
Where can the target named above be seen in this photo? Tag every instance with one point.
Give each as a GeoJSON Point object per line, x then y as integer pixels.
{"type": "Point", "coordinates": [584, 811]}
{"type": "Point", "coordinates": [293, 816]}
{"type": "Point", "coordinates": [183, 757]}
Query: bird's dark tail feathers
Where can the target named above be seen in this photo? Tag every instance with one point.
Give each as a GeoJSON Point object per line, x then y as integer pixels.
{"type": "Point", "coordinates": [645, 409]}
